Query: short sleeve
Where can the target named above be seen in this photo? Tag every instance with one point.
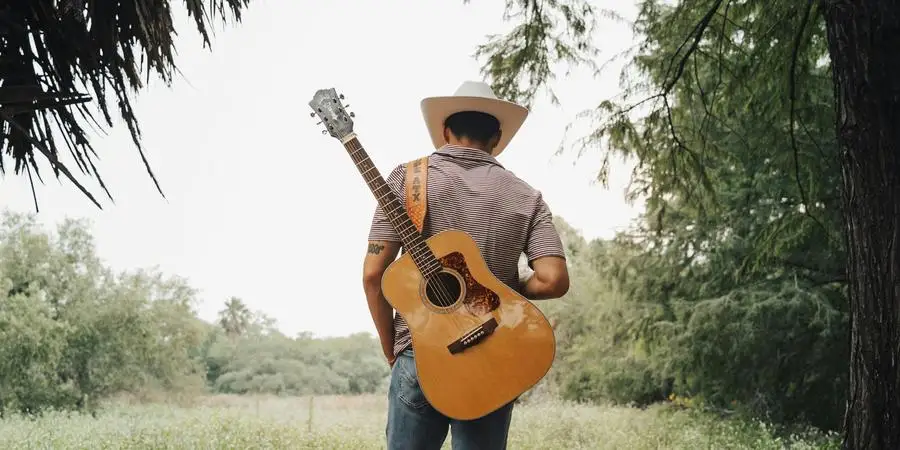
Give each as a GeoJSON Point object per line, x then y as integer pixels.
{"type": "Point", "coordinates": [381, 228]}
{"type": "Point", "coordinates": [543, 239]}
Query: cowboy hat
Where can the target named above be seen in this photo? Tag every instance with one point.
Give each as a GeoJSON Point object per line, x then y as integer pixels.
{"type": "Point", "coordinates": [473, 96]}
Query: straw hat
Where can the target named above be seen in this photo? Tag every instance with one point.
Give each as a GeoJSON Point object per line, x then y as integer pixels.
{"type": "Point", "coordinates": [473, 96]}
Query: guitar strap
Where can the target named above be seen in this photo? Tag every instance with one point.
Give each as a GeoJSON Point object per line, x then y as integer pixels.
{"type": "Point", "coordinates": [416, 191]}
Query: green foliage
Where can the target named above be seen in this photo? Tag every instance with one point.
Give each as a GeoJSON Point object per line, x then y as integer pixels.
{"type": "Point", "coordinates": [546, 34]}
{"type": "Point", "coordinates": [274, 363]}
{"type": "Point", "coordinates": [732, 290]}
{"type": "Point", "coordinates": [601, 355]}
{"type": "Point", "coordinates": [73, 332]}
{"type": "Point", "coordinates": [28, 379]}
{"type": "Point", "coordinates": [769, 345]}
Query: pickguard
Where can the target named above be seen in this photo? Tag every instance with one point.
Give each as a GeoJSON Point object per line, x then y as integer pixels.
{"type": "Point", "coordinates": [479, 299]}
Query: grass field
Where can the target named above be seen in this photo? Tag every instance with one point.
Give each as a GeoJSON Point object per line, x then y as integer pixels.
{"type": "Point", "coordinates": [223, 422]}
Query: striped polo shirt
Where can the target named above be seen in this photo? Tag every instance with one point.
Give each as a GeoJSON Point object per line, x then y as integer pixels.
{"type": "Point", "coordinates": [469, 190]}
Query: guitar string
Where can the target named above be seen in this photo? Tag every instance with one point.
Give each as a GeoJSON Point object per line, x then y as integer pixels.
{"type": "Point", "coordinates": [445, 298]}
{"type": "Point", "coordinates": [440, 289]}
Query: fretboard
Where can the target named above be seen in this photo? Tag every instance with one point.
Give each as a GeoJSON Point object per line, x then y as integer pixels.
{"type": "Point", "coordinates": [393, 209]}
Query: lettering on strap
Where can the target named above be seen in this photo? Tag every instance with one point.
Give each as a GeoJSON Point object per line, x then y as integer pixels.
{"type": "Point", "coordinates": [416, 191]}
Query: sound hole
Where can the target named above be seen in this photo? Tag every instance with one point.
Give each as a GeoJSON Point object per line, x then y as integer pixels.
{"type": "Point", "coordinates": [443, 289]}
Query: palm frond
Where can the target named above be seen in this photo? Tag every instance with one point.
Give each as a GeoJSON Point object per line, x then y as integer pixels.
{"type": "Point", "coordinates": [62, 61]}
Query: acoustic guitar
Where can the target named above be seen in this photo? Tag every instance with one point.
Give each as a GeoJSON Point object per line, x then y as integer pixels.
{"type": "Point", "coordinates": [478, 343]}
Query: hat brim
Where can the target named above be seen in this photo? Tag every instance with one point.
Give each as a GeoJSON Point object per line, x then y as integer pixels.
{"type": "Point", "coordinates": [435, 111]}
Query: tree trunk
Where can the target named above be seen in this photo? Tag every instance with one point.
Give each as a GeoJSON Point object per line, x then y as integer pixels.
{"type": "Point", "coordinates": [864, 40]}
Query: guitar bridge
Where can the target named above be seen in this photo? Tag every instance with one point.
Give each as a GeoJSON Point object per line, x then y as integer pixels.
{"type": "Point", "coordinates": [473, 337]}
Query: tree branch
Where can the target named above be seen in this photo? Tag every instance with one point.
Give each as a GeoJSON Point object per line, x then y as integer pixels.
{"type": "Point", "coordinates": [697, 33]}
{"type": "Point", "coordinates": [792, 93]}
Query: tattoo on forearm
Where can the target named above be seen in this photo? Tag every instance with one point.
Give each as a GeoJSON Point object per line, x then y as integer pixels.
{"type": "Point", "coordinates": [375, 248]}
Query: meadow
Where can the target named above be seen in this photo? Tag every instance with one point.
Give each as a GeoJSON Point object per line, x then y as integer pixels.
{"type": "Point", "coordinates": [357, 422]}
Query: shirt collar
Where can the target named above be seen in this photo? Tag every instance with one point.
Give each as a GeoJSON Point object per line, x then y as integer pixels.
{"type": "Point", "coordinates": [458, 151]}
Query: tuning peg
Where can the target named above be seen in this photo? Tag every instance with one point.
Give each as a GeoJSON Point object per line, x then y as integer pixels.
{"type": "Point", "coordinates": [312, 114]}
{"type": "Point", "coordinates": [352, 114]}
{"type": "Point", "coordinates": [324, 131]}
{"type": "Point", "coordinates": [341, 96]}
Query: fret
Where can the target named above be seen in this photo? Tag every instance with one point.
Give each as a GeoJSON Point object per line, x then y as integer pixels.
{"type": "Point", "coordinates": [407, 228]}
{"type": "Point", "coordinates": [380, 198]}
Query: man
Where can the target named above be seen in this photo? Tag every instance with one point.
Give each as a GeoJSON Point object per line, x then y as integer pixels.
{"type": "Point", "coordinates": [468, 190]}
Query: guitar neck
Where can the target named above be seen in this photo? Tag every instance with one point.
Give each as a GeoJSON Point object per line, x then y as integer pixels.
{"type": "Point", "coordinates": [393, 209]}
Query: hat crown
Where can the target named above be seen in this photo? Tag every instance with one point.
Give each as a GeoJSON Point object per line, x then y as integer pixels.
{"type": "Point", "coordinates": [475, 89]}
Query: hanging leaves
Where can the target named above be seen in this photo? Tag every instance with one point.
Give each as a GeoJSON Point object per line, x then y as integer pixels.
{"type": "Point", "coordinates": [63, 61]}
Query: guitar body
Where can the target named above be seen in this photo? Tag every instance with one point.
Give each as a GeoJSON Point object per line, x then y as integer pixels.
{"type": "Point", "coordinates": [477, 347]}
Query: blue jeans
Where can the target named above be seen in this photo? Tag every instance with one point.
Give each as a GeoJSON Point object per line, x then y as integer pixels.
{"type": "Point", "coordinates": [413, 424]}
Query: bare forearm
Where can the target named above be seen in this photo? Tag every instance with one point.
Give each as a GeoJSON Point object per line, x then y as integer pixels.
{"type": "Point", "coordinates": [535, 289]}
{"type": "Point", "coordinates": [383, 317]}
{"type": "Point", "coordinates": [378, 258]}
{"type": "Point", "coordinates": [544, 285]}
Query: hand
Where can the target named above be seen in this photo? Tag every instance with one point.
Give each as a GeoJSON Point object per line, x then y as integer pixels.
{"type": "Point", "coordinates": [389, 356]}
{"type": "Point", "coordinates": [525, 274]}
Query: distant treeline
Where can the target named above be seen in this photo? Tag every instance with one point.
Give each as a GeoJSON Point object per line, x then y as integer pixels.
{"type": "Point", "coordinates": [73, 331]}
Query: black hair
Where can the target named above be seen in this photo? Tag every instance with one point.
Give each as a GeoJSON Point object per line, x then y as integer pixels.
{"type": "Point", "coordinates": [477, 126]}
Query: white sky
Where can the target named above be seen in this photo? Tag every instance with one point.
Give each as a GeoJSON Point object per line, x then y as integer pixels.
{"type": "Point", "coordinates": [260, 204]}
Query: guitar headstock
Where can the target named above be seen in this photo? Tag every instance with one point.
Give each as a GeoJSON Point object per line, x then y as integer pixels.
{"type": "Point", "coordinates": [326, 104]}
